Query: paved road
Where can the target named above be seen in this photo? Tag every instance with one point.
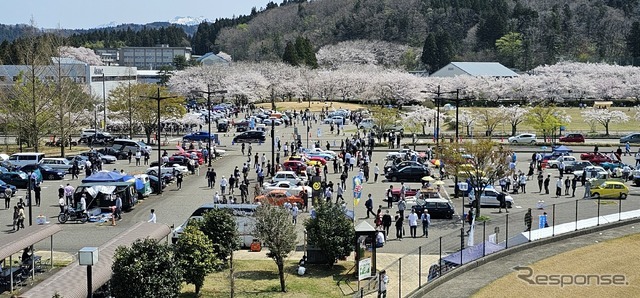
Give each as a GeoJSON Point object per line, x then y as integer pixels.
{"type": "Point", "coordinates": [174, 206]}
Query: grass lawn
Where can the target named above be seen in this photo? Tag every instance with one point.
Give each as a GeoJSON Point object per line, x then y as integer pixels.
{"type": "Point", "coordinates": [259, 278]}
{"type": "Point", "coordinates": [577, 123]}
{"type": "Point", "coordinates": [613, 257]}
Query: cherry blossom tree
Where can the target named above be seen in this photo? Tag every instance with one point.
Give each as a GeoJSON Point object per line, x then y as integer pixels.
{"type": "Point", "coordinates": [514, 115]}
{"type": "Point", "coordinates": [467, 119]}
{"type": "Point", "coordinates": [81, 54]}
{"type": "Point", "coordinates": [605, 117]}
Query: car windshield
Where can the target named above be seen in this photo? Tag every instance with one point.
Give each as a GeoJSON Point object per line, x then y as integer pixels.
{"type": "Point", "coordinates": [142, 144]}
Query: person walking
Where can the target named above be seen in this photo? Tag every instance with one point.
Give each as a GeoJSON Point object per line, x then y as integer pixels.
{"type": "Point", "coordinates": [546, 184]}
{"type": "Point", "coordinates": [426, 221]}
{"type": "Point", "coordinates": [118, 207]}
{"type": "Point", "coordinates": [399, 227]}
{"type": "Point", "coordinates": [7, 197]}
{"type": "Point", "coordinates": [37, 192]}
{"type": "Point", "coordinates": [369, 205]}
{"type": "Point", "coordinates": [376, 172]}
{"type": "Point", "coordinates": [402, 205]}
{"type": "Point", "coordinates": [540, 181]}
{"type": "Point", "coordinates": [179, 178]}
{"type": "Point", "coordinates": [390, 196]}
{"type": "Point", "coordinates": [413, 223]}
{"type": "Point", "coordinates": [559, 187]}
{"type": "Point", "coordinates": [340, 193]}
{"type": "Point", "coordinates": [294, 213]}
{"type": "Point", "coordinates": [382, 284]}
{"type": "Point", "coordinates": [223, 185]}
{"type": "Point", "coordinates": [138, 157]}
{"type": "Point", "coordinates": [75, 169]}
{"type": "Point", "coordinates": [386, 223]}
{"type": "Point", "coordinates": [527, 220]}
{"type": "Point", "coordinates": [129, 155]}
{"type": "Point", "coordinates": [20, 222]}
{"type": "Point", "coordinates": [152, 216]}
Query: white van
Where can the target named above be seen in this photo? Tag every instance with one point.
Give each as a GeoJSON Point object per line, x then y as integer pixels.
{"type": "Point", "coordinates": [242, 213]}
{"type": "Point", "coordinates": [125, 145]}
{"type": "Point", "coordinates": [26, 158]}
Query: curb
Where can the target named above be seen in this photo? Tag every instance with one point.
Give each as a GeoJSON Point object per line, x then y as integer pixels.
{"type": "Point", "coordinates": [421, 292]}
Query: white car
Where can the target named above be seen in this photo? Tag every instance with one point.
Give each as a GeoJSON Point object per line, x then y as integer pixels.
{"type": "Point", "coordinates": [285, 185]}
{"type": "Point", "coordinates": [399, 154]}
{"type": "Point", "coordinates": [288, 176]}
{"type": "Point", "coordinates": [593, 172]}
{"type": "Point", "coordinates": [525, 138]}
{"type": "Point", "coordinates": [167, 169]}
{"type": "Point", "coordinates": [366, 124]}
{"type": "Point", "coordinates": [489, 197]}
{"type": "Point", "coordinates": [566, 159]}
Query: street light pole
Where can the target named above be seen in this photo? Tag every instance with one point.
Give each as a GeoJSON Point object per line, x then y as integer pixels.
{"type": "Point", "coordinates": [273, 137]}
{"type": "Point", "coordinates": [208, 93]}
{"type": "Point", "coordinates": [159, 98]}
{"type": "Point", "coordinates": [104, 102]}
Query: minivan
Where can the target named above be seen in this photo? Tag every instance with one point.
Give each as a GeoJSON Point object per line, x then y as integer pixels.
{"type": "Point", "coordinates": [126, 145]}
{"type": "Point", "coordinates": [252, 136]}
{"type": "Point", "coordinates": [26, 158]}
{"type": "Point", "coordinates": [242, 213]}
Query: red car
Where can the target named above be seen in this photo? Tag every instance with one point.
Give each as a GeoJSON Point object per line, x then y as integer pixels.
{"type": "Point", "coordinates": [395, 192]}
{"type": "Point", "coordinates": [294, 165]}
{"type": "Point", "coordinates": [595, 158]}
{"type": "Point", "coordinates": [318, 159]}
{"type": "Point", "coordinates": [572, 138]}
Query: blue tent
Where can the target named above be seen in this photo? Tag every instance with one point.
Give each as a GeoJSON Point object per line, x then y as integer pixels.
{"type": "Point", "coordinates": [562, 149]}
{"type": "Point", "coordinates": [106, 177]}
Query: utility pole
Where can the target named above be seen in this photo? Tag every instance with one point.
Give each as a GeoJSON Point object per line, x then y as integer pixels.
{"type": "Point", "coordinates": [158, 98]}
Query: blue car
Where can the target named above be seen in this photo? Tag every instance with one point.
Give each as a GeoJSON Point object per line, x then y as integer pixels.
{"type": "Point", "coordinates": [199, 136]}
{"type": "Point", "coordinates": [4, 186]}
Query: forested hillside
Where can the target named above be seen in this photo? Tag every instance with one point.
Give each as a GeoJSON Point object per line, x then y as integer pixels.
{"type": "Point", "coordinates": [548, 30]}
{"type": "Point", "coordinates": [521, 34]}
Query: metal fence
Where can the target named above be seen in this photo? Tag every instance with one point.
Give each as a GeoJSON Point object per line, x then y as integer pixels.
{"type": "Point", "coordinates": [505, 230]}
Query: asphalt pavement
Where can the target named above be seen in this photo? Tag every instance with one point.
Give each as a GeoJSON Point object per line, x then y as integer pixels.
{"type": "Point", "coordinates": [174, 206]}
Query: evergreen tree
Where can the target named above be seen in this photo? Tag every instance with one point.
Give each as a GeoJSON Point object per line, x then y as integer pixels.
{"type": "Point", "coordinates": [429, 50]}
{"type": "Point", "coordinates": [633, 41]}
{"type": "Point", "coordinates": [290, 55]}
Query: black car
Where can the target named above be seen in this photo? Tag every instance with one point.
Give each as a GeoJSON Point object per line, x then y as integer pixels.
{"type": "Point", "coordinates": [47, 172]}
{"type": "Point", "coordinates": [252, 136]}
{"type": "Point", "coordinates": [115, 152]}
{"type": "Point", "coordinates": [438, 208]}
{"type": "Point", "coordinates": [242, 126]}
{"type": "Point", "coordinates": [577, 166]}
{"type": "Point", "coordinates": [408, 173]}
{"type": "Point", "coordinates": [393, 166]}
{"type": "Point", "coordinates": [99, 139]}
{"type": "Point", "coordinates": [223, 126]}
{"type": "Point", "coordinates": [153, 180]}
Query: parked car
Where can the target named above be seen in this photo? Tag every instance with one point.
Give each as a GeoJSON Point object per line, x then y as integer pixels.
{"type": "Point", "coordinates": [572, 138]}
{"type": "Point", "coordinates": [19, 179]}
{"type": "Point", "coordinates": [288, 176]}
{"type": "Point", "coordinates": [105, 158]}
{"type": "Point", "coordinates": [198, 136]}
{"type": "Point", "coordinates": [566, 159]}
{"type": "Point", "coordinates": [115, 152]}
{"type": "Point", "coordinates": [595, 158]}
{"type": "Point", "coordinates": [47, 172]}
{"type": "Point", "coordinates": [489, 197]}
{"type": "Point", "coordinates": [409, 174]}
{"type": "Point", "coordinates": [252, 136]}
{"type": "Point", "coordinates": [431, 200]}
{"type": "Point", "coordinates": [633, 138]}
{"type": "Point", "coordinates": [577, 165]}
{"type": "Point", "coordinates": [635, 174]}
{"type": "Point", "coordinates": [279, 197]}
{"type": "Point", "coordinates": [390, 166]}
{"type": "Point", "coordinates": [61, 164]}
{"type": "Point", "coordinates": [294, 165]}
{"type": "Point", "coordinates": [155, 184]}
{"type": "Point", "coordinates": [286, 185]}
{"type": "Point", "coordinates": [399, 154]}
{"type": "Point", "coordinates": [593, 172]}
{"type": "Point", "coordinates": [99, 138]}
{"type": "Point", "coordinates": [525, 138]}
{"type": "Point", "coordinates": [166, 169]}
{"type": "Point", "coordinates": [610, 190]}
{"type": "Point", "coordinates": [410, 192]}
{"type": "Point", "coordinates": [612, 165]}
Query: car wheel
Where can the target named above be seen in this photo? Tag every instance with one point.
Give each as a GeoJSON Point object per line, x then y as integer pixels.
{"type": "Point", "coordinates": [509, 205]}
{"type": "Point", "coordinates": [514, 142]}
{"type": "Point", "coordinates": [554, 166]}
{"type": "Point", "coordinates": [533, 141]}
{"type": "Point", "coordinates": [595, 195]}
{"type": "Point", "coordinates": [394, 179]}
{"type": "Point", "coordinates": [51, 177]}
{"type": "Point", "coordinates": [623, 196]}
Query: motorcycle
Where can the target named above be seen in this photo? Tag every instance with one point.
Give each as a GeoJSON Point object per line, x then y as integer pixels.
{"type": "Point", "coordinates": [71, 214]}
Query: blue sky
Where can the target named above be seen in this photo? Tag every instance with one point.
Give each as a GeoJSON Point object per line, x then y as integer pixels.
{"type": "Point", "coordinates": [85, 14]}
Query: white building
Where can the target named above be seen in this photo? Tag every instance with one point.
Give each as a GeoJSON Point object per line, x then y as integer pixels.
{"type": "Point", "coordinates": [475, 69]}
{"type": "Point", "coordinates": [152, 57]}
{"type": "Point", "coordinates": [100, 79]}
